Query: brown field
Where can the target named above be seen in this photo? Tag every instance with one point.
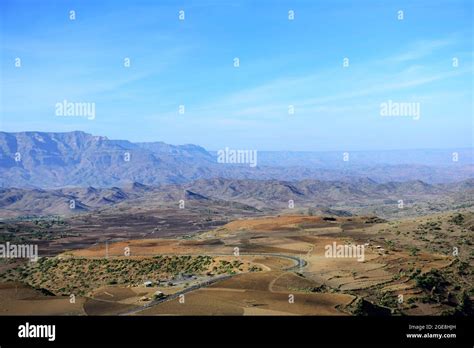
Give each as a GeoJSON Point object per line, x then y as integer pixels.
{"type": "Point", "coordinates": [20, 299]}
{"type": "Point", "coordinates": [400, 258]}
{"type": "Point", "coordinates": [255, 294]}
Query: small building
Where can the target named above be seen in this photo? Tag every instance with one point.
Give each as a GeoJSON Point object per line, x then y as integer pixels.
{"type": "Point", "coordinates": [148, 283]}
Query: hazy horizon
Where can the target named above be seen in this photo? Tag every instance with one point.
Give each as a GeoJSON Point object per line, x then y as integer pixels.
{"type": "Point", "coordinates": [212, 150]}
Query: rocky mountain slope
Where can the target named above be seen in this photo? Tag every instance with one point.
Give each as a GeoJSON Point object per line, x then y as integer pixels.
{"type": "Point", "coordinates": [78, 159]}
{"type": "Point", "coordinates": [249, 194]}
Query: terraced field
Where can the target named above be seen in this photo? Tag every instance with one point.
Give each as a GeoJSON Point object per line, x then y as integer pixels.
{"type": "Point", "coordinates": [275, 265]}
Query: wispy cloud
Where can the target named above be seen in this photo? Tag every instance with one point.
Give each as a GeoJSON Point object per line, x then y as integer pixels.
{"type": "Point", "coordinates": [421, 49]}
{"type": "Point", "coordinates": [309, 94]}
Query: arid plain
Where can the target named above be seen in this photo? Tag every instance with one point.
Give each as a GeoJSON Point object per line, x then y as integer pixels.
{"type": "Point", "coordinates": [262, 265]}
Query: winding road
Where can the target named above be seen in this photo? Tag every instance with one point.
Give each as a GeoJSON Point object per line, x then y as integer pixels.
{"type": "Point", "coordinates": [299, 264]}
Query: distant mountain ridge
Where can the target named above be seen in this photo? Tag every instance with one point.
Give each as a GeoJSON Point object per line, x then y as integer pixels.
{"type": "Point", "coordinates": [77, 159]}
{"type": "Point", "coordinates": [249, 194]}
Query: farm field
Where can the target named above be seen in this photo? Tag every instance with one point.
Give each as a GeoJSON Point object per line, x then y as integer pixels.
{"type": "Point", "coordinates": [270, 265]}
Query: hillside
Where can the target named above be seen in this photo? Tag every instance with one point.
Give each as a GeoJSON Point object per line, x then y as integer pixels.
{"type": "Point", "coordinates": [308, 196]}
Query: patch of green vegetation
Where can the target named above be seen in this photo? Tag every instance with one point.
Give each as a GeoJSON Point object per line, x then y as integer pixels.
{"type": "Point", "coordinates": [431, 280]}
{"type": "Point", "coordinates": [388, 300]}
{"type": "Point", "coordinates": [414, 251]}
{"type": "Point", "coordinates": [255, 269]}
{"type": "Point", "coordinates": [431, 226]}
{"type": "Point", "coordinates": [465, 306]}
{"type": "Point", "coordinates": [457, 219]}
{"type": "Point", "coordinates": [390, 245]}
{"type": "Point", "coordinates": [62, 275]}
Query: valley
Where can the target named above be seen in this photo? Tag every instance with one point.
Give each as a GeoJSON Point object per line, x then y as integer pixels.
{"type": "Point", "coordinates": [267, 265]}
{"type": "Point", "coordinates": [126, 228]}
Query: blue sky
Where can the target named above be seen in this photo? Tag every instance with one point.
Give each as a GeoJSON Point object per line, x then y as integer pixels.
{"type": "Point", "coordinates": [282, 63]}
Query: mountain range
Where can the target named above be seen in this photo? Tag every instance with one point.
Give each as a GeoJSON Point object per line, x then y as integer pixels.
{"type": "Point", "coordinates": [359, 196]}
{"type": "Point", "coordinates": [77, 159]}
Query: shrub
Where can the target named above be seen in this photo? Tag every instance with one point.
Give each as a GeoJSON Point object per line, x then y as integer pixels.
{"type": "Point", "coordinates": [430, 280]}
